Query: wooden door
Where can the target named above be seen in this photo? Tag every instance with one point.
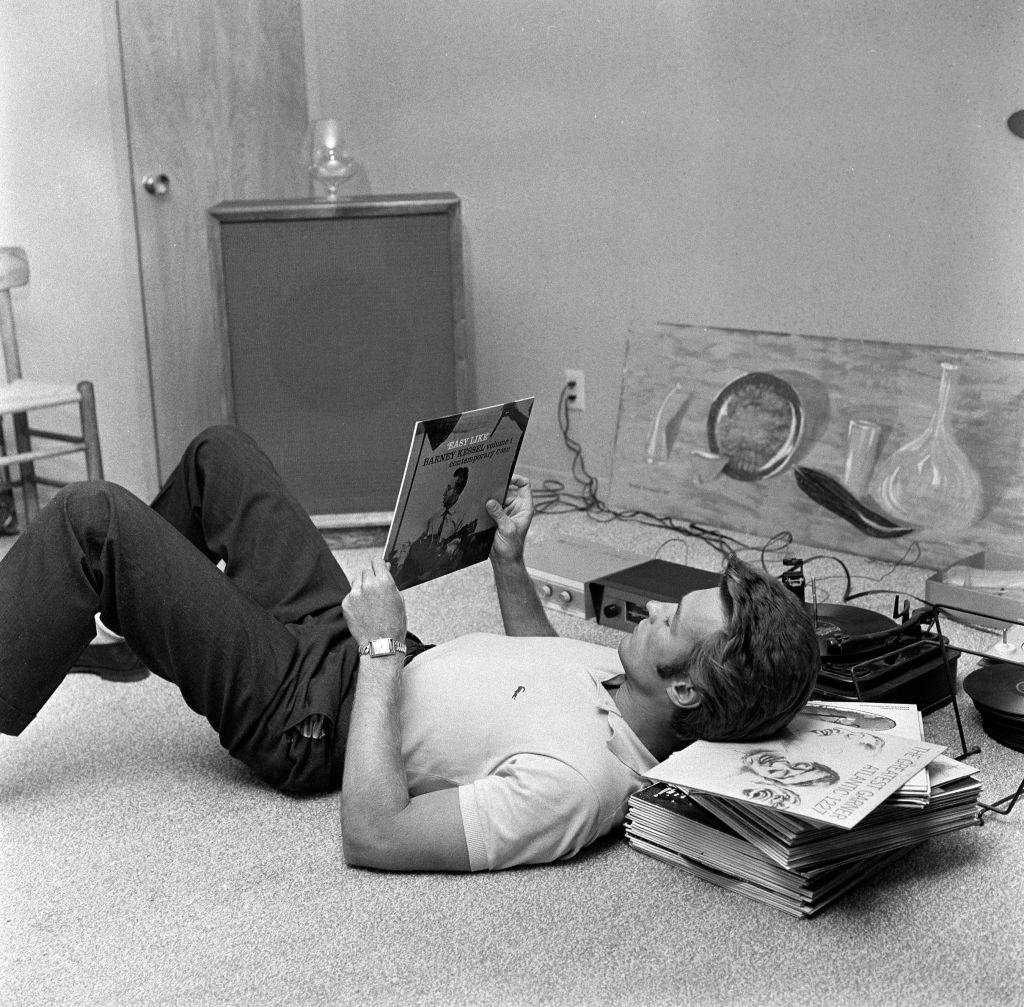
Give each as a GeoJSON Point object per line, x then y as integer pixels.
{"type": "Point", "coordinates": [215, 96]}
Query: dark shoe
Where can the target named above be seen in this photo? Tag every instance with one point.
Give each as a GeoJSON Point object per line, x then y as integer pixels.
{"type": "Point", "coordinates": [8, 515]}
{"type": "Point", "coordinates": [115, 662]}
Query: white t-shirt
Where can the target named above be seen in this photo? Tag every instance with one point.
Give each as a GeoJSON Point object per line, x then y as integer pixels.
{"type": "Point", "coordinates": [527, 731]}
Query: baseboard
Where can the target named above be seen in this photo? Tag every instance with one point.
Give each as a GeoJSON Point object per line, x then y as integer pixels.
{"type": "Point", "coordinates": [365, 519]}
{"type": "Point", "coordinates": [365, 530]}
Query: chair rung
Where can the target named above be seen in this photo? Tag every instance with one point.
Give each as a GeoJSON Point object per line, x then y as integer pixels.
{"type": "Point", "coordinates": [47, 481]}
{"type": "Point", "coordinates": [14, 484]}
{"type": "Point", "coordinates": [37, 453]}
{"type": "Point", "coordinates": [52, 435]}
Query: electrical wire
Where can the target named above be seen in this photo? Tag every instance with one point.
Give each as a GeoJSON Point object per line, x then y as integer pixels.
{"type": "Point", "coordinates": [552, 497]}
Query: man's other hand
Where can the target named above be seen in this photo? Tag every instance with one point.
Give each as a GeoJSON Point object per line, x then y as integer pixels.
{"type": "Point", "coordinates": [374, 608]}
{"type": "Point", "coordinates": [513, 520]}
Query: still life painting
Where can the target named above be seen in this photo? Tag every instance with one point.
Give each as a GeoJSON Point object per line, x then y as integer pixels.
{"type": "Point", "coordinates": [905, 452]}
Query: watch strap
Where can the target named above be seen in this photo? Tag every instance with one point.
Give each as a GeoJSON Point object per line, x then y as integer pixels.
{"type": "Point", "coordinates": [383, 647]}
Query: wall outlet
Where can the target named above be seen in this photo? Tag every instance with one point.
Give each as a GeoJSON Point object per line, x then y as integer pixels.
{"type": "Point", "coordinates": [576, 395]}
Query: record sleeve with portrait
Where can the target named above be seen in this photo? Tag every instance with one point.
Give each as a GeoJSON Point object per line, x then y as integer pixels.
{"type": "Point", "coordinates": [815, 769]}
{"type": "Point", "coordinates": [455, 465]}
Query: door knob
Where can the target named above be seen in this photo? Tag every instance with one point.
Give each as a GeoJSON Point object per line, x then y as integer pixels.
{"type": "Point", "coordinates": [157, 185]}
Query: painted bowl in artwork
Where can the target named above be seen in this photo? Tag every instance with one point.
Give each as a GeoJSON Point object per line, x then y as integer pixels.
{"type": "Point", "coordinates": [755, 423]}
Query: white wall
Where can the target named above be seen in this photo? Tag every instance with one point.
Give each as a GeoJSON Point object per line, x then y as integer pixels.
{"type": "Point", "coordinates": [835, 168]}
{"type": "Point", "coordinates": [838, 168]}
{"type": "Point", "coordinates": [65, 197]}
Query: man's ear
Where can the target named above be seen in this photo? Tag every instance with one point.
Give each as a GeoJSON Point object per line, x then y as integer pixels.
{"type": "Point", "coordinates": [682, 693]}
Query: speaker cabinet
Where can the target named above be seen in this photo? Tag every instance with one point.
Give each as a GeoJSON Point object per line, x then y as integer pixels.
{"type": "Point", "coordinates": [342, 324]}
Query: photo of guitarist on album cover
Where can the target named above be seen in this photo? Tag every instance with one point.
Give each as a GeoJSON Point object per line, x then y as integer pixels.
{"type": "Point", "coordinates": [441, 545]}
{"type": "Point", "coordinates": [455, 464]}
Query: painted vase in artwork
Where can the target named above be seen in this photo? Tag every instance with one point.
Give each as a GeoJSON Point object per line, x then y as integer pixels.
{"type": "Point", "coordinates": [930, 482]}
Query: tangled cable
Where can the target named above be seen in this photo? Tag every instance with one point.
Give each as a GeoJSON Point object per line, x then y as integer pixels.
{"type": "Point", "coordinates": [552, 497]}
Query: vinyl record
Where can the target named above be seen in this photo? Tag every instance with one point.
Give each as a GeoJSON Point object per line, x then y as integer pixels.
{"type": "Point", "coordinates": [841, 627]}
{"type": "Point", "coordinates": [998, 686]}
{"type": "Point", "coordinates": [1010, 740]}
{"type": "Point", "coordinates": [1000, 721]}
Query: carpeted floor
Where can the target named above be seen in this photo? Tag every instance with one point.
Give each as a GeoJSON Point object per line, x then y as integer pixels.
{"type": "Point", "coordinates": [139, 865]}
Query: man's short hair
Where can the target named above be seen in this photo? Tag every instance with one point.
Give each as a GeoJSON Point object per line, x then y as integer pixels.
{"type": "Point", "coordinates": [461, 476]}
{"type": "Point", "coordinates": [755, 675]}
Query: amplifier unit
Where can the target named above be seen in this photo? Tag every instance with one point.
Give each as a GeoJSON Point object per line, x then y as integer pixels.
{"type": "Point", "coordinates": [562, 571]}
{"type": "Point", "coordinates": [621, 598]}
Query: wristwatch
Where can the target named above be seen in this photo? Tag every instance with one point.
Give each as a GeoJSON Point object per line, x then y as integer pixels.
{"type": "Point", "coordinates": [384, 647]}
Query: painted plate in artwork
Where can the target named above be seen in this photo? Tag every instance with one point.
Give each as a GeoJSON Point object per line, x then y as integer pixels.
{"type": "Point", "coordinates": [755, 423]}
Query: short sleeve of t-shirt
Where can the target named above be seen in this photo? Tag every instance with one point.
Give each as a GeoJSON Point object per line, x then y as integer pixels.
{"type": "Point", "coordinates": [531, 809]}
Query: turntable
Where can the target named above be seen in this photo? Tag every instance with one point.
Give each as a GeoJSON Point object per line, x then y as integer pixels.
{"type": "Point", "coordinates": [869, 657]}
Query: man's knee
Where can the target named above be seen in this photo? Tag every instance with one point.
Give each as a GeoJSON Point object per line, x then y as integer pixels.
{"type": "Point", "coordinates": [221, 441]}
{"type": "Point", "coordinates": [92, 503]}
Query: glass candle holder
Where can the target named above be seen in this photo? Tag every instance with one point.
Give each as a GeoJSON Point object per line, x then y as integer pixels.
{"type": "Point", "coordinates": [324, 155]}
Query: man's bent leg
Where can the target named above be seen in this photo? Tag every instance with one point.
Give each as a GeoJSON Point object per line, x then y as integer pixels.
{"type": "Point", "coordinates": [97, 547]}
{"type": "Point", "coordinates": [226, 497]}
{"type": "Point", "coordinates": [228, 500]}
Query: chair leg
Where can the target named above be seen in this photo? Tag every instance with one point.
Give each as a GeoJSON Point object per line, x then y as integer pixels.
{"type": "Point", "coordinates": [90, 431]}
{"type": "Point", "coordinates": [27, 470]}
{"type": "Point", "coordinates": [30, 491]}
{"type": "Point", "coordinates": [8, 511]}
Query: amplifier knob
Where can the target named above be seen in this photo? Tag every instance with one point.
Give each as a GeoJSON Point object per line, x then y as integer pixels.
{"type": "Point", "coordinates": [545, 590]}
{"type": "Point", "coordinates": [611, 611]}
{"type": "Point", "coordinates": [565, 596]}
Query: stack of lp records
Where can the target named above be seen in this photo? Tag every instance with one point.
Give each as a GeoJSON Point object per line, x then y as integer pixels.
{"type": "Point", "coordinates": [997, 690]}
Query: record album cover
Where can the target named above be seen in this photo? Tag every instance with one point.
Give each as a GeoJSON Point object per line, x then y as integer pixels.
{"type": "Point", "coordinates": [817, 770]}
{"type": "Point", "coordinates": [456, 463]}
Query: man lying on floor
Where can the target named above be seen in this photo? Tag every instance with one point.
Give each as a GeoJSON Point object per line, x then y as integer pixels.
{"type": "Point", "coordinates": [484, 752]}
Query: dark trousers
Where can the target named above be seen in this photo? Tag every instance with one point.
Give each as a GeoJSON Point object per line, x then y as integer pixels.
{"type": "Point", "coordinates": [255, 649]}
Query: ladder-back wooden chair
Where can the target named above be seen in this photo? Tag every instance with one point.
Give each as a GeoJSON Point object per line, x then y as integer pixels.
{"type": "Point", "coordinates": [19, 397]}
